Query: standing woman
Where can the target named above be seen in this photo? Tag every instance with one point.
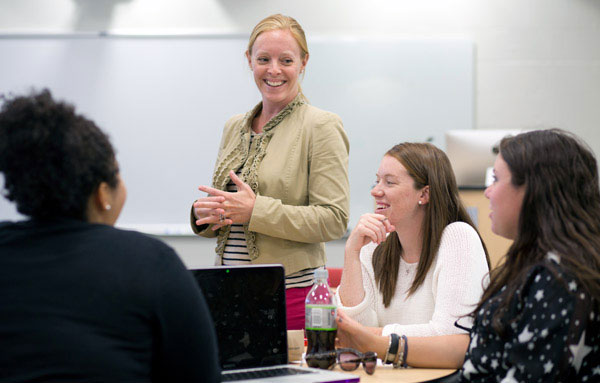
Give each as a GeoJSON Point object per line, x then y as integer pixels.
{"type": "Point", "coordinates": [280, 185]}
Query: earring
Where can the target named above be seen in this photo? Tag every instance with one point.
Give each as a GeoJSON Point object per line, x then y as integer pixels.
{"type": "Point", "coordinates": [107, 207]}
{"type": "Point", "coordinates": [420, 203]}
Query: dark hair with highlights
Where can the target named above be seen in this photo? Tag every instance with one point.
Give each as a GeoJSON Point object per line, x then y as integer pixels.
{"type": "Point", "coordinates": [52, 158]}
{"type": "Point", "coordinates": [560, 214]}
{"type": "Point", "coordinates": [426, 165]}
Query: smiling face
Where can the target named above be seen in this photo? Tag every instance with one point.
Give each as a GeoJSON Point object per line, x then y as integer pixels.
{"type": "Point", "coordinates": [276, 63]}
{"type": "Point", "coordinates": [395, 194]}
{"type": "Point", "coordinates": [506, 201]}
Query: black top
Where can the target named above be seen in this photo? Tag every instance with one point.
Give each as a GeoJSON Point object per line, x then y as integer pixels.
{"type": "Point", "coordinates": [84, 302]}
{"type": "Point", "coordinates": [555, 335]}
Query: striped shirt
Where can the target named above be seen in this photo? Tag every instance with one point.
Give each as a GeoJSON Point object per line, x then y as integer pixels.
{"type": "Point", "coordinates": [236, 251]}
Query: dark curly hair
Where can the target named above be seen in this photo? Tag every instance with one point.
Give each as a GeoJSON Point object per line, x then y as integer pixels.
{"type": "Point", "coordinates": [52, 158]}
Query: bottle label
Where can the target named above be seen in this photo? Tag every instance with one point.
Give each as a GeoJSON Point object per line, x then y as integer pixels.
{"type": "Point", "coordinates": [319, 317]}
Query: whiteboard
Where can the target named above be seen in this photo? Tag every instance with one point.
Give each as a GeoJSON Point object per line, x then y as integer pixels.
{"type": "Point", "coordinates": [164, 100]}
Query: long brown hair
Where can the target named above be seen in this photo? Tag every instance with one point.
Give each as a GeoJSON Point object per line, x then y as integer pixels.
{"type": "Point", "coordinates": [560, 214]}
{"type": "Point", "coordinates": [426, 165]}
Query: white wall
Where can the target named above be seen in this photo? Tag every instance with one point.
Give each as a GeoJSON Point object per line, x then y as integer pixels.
{"type": "Point", "coordinates": [537, 61]}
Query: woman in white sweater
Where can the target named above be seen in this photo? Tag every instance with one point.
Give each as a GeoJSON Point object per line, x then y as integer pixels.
{"type": "Point", "coordinates": [428, 272]}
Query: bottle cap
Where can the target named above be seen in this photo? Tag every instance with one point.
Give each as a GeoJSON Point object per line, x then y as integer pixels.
{"type": "Point", "coordinates": [321, 274]}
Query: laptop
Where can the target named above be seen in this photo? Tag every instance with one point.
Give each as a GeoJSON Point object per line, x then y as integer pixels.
{"type": "Point", "coordinates": [247, 304]}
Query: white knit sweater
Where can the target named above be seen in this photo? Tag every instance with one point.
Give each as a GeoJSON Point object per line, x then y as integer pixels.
{"type": "Point", "coordinates": [451, 289]}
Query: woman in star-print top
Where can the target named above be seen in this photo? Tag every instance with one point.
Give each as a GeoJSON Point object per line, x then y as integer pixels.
{"type": "Point", "coordinates": [539, 317]}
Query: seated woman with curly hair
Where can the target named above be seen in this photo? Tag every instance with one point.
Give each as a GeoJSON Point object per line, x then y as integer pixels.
{"type": "Point", "coordinates": [79, 299]}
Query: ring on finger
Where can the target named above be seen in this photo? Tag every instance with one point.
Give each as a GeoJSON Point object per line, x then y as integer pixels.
{"type": "Point", "coordinates": [221, 218]}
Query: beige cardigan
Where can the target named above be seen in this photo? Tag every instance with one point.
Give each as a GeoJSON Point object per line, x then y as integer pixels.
{"type": "Point", "coordinates": [298, 168]}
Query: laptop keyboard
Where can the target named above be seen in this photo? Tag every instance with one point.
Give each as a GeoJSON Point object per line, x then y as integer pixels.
{"type": "Point", "coordinates": [257, 374]}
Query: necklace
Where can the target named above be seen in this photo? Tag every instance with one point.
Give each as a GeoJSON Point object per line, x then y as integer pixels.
{"type": "Point", "coordinates": [409, 268]}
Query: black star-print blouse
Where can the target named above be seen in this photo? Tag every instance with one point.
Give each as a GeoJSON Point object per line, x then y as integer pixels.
{"type": "Point", "coordinates": [555, 338]}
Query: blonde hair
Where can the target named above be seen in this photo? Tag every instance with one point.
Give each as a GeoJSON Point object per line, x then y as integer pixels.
{"type": "Point", "coordinates": [281, 22]}
{"type": "Point", "coordinates": [277, 22]}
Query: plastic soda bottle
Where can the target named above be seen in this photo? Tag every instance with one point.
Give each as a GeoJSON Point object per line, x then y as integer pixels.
{"type": "Point", "coordinates": [321, 327]}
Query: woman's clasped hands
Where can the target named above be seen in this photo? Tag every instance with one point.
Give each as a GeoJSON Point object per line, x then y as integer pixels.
{"type": "Point", "coordinates": [222, 208]}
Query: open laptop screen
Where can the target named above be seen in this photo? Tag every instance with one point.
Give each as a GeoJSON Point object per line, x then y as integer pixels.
{"type": "Point", "coordinates": [247, 304]}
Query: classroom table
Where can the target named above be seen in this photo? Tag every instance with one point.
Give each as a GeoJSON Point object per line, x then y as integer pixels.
{"type": "Point", "coordinates": [388, 373]}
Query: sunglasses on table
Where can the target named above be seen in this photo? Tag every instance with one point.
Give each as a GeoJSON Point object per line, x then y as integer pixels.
{"type": "Point", "coordinates": [348, 358]}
